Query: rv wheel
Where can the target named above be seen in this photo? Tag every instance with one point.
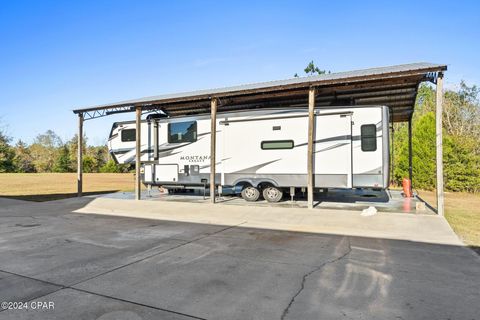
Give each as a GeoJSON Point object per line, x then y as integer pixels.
{"type": "Point", "coordinates": [272, 194]}
{"type": "Point", "coordinates": [250, 193]}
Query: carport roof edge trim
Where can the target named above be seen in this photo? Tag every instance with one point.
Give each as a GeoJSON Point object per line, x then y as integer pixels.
{"type": "Point", "coordinates": [377, 73]}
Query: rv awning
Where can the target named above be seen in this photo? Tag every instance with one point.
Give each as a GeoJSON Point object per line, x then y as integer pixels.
{"type": "Point", "coordinates": [394, 86]}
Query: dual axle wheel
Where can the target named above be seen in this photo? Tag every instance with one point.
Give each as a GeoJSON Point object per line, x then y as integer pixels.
{"type": "Point", "coordinates": [271, 194]}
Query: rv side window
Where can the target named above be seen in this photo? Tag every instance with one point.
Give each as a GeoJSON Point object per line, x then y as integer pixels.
{"type": "Point", "coordinates": [277, 144]}
{"type": "Point", "coordinates": [369, 137]}
{"type": "Point", "coordinates": [128, 135]}
{"type": "Point", "coordinates": [182, 132]}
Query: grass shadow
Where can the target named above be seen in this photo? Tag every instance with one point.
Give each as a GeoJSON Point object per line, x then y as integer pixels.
{"type": "Point", "coordinates": [54, 196]}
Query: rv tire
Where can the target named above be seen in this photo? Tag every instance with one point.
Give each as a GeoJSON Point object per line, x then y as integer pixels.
{"type": "Point", "coordinates": [272, 194]}
{"type": "Point", "coordinates": [250, 193]}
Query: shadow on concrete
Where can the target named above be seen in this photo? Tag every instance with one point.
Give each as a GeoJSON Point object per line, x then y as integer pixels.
{"type": "Point", "coordinates": [352, 196]}
{"type": "Point", "coordinates": [475, 248]}
{"type": "Point", "coordinates": [345, 199]}
{"type": "Point", "coordinates": [428, 205]}
{"type": "Point", "coordinates": [54, 196]}
{"type": "Point", "coordinates": [332, 195]}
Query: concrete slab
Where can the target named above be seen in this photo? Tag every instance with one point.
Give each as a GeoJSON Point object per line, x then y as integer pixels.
{"type": "Point", "coordinates": [422, 228]}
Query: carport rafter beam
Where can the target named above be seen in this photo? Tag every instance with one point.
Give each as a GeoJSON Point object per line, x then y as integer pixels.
{"type": "Point", "coordinates": [94, 114]}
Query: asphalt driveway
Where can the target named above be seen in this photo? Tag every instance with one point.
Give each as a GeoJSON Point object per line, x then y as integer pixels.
{"type": "Point", "coordinates": [67, 264]}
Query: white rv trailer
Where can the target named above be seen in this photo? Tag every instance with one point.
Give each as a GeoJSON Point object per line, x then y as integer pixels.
{"type": "Point", "coordinates": [262, 151]}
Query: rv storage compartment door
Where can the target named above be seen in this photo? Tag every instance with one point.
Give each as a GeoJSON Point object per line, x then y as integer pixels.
{"type": "Point", "coordinates": [148, 173]}
{"type": "Point", "coordinates": [166, 173]}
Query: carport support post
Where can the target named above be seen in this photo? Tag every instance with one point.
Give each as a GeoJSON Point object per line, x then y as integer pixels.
{"type": "Point", "coordinates": [311, 123]}
{"type": "Point", "coordinates": [138, 118]}
{"type": "Point", "coordinates": [410, 165]}
{"type": "Point", "coordinates": [213, 136]}
{"type": "Point", "coordinates": [80, 155]}
{"type": "Point", "coordinates": [439, 152]}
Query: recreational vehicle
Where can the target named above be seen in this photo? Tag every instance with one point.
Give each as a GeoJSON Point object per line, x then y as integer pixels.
{"type": "Point", "coordinates": [261, 152]}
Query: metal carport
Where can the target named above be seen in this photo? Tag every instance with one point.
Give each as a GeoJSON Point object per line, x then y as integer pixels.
{"type": "Point", "coordinates": [393, 86]}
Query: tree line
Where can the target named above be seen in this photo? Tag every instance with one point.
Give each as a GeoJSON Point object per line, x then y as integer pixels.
{"type": "Point", "coordinates": [461, 140]}
{"type": "Point", "coordinates": [48, 153]}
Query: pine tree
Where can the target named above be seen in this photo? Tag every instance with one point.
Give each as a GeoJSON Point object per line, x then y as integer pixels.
{"type": "Point", "coordinates": [62, 163]}
{"type": "Point", "coordinates": [312, 69]}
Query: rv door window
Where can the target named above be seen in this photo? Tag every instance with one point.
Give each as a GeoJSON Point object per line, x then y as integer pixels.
{"type": "Point", "coordinates": [369, 137]}
{"type": "Point", "coordinates": [182, 132]}
{"type": "Point", "coordinates": [277, 144]}
{"type": "Point", "coordinates": [128, 135]}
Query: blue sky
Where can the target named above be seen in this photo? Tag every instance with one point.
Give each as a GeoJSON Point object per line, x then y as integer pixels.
{"type": "Point", "coordinates": [56, 56]}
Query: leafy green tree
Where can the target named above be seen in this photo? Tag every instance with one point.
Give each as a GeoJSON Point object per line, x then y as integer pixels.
{"type": "Point", "coordinates": [89, 164]}
{"type": "Point", "coordinates": [425, 100]}
{"type": "Point", "coordinates": [94, 157]}
{"type": "Point", "coordinates": [44, 151]}
{"type": "Point", "coordinates": [462, 169]}
{"type": "Point", "coordinates": [73, 148]}
{"type": "Point", "coordinates": [461, 116]}
{"type": "Point", "coordinates": [110, 167]}
{"type": "Point", "coordinates": [7, 154]}
{"type": "Point", "coordinates": [23, 158]}
{"type": "Point", "coordinates": [100, 154]}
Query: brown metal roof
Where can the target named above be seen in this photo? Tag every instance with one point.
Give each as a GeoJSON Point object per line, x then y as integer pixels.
{"type": "Point", "coordinates": [394, 86]}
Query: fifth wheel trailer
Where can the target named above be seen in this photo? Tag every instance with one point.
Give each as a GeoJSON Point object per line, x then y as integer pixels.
{"type": "Point", "coordinates": [261, 152]}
